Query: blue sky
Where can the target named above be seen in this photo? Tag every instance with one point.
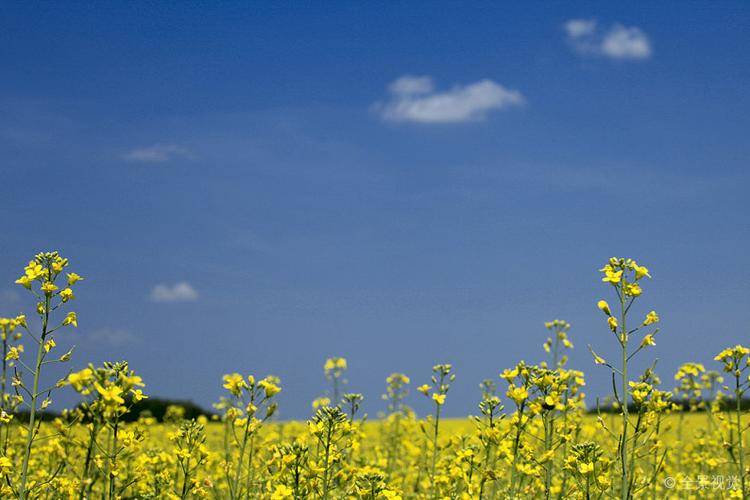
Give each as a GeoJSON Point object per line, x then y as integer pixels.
{"type": "Point", "coordinates": [255, 187]}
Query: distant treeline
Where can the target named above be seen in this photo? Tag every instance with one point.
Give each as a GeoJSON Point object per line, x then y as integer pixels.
{"type": "Point", "coordinates": [157, 408]}
{"type": "Point", "coordinates": [150, 407]}
{"type": "Point", "coordinates": [726, 404]}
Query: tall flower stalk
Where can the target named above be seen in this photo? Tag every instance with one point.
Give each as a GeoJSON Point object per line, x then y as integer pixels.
{"type": "Point", "coordinates": [249, 405]}
{"type": "Point", "coordinates": [736, 361]}
{"type": "Point", "coordinates": [335, 369]}
{"type": "Point", "coordinates": [396, 391]}
{"type": "Point", "coordinates": [441, 382]}
{"type": "Point", "coordinates": [553, 346]}
{"type": "Point", "coordinates": [41, 278]}
{"type": "Point", "coordinates": [625, 275]}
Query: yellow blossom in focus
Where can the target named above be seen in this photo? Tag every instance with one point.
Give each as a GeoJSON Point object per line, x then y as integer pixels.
{"type": "Point", "coordinates": [612, 277]}
{"type": "Point", "coordinates": [49, 345]}
{"type": "Point", "coordinates": [648, 340]}
{"type": "Point", "coordinates": [517, 394]}
{"type": "Point", "coordinates": [73, 278]}
{"type": "Point", "coordinates": [612, 322]}
{"type": "Point", "coordinates": [604, 307]}
{"type": "Point", "coordinates": [67, 294]}
{"type": "Point", "coordinates": [640, 271]}
{"type": "Point", "coordinates": [651, 318]}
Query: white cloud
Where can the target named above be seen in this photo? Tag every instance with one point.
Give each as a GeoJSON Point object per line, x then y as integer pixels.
{"type": "Point", "coordinates": [414, 99]}
{"type": "Point", "coordinates": [411, 85]}
{"type": "Point", "coordinates": [180, 292]}
{"type": "Point", "coordinates": [577, 28]}
{"type": "Point", "coordinates": [158, 153]}
{"type": "Point", "coordinates": [618, 42]}
{"type": "Point", "coordinates": [112, 336]}
{"type": "Point", "coordinates": [626, 43]}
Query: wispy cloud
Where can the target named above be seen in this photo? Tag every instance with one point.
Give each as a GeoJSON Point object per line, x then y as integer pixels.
{"type": "Point", "coordinates": [414, 99]}
{"type": "Point", "coordinates": [112, 336]}
{"type": "Point", "coordinates": [179, 292]}
{"type": "Point", "coordinates": [158, 153]}
{"type": "Point", "coordinates": [617, 42]}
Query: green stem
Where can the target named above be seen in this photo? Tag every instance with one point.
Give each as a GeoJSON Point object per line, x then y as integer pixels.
{"type": "Point", "coordinates": [87, 461]}
{"type": "Point", "coordinates": [434, 450]}
{"type": "Point", "coordinates": [738, 397]}
{"type": "Point", "coordinates": [624, 444]}
{"type": "Point", "coordinates": [548, 431]}
{"type": "Point", "coordinates": [4, 396]}
{"type": "Point", "coordinates": [185, 479]}
{"type": "Point", "coordinates": [114, 454]}
{"type": "Point", "coordinates": [327, 457]}
{"type": "Point", "coordinates": [516, 445]}
{"type": "Point", "coordinates": [235, 492]}
{"type": "Point", "coordinates": [32, 410]}
{"type": "Point", "coordinates": [250, 469]}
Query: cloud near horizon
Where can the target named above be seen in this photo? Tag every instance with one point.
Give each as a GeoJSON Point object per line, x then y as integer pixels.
{"type": "Point", "coordinates": [179, 292]}
{"type": "Point", "coordinates": [414, 99]}
{"type": "Point", "coordinates": [112, 336]}
{"type": "Point", "coordinates": [158, 153]}
{"type": "Point", "coordinates": [618, 42]}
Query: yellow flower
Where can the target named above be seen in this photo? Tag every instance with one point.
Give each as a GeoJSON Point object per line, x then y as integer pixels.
{"type": "Point", "coordinates": [424, 389]}
{"type": "Point", "coordinates": [612, 322]}
{"type": "Point", "coordinates": [67, 294]}
{"type": "Point", "coordinates": [640, 271]}
{"type": "Point", "coordinates": [138, 395]}
{"type": "Point", "coordinates": [81, 378]}
{"type": "Point", "coordinates": [48, 287]}
{"type": "Point", "coordinates": [234, 383]}
{"type": "Point", "coordinates": [49, 345]}
{"type": "Point", "coordinates": [6, 465]}
{"type": "Point", "coordinates": [694, 369]}
{"type": "Point", "coordinates": [732, 356]}
{"type": "Point", "coordinates": [282, 492]}
{"type": "Point", "coordinates": [269, 387]}
{"type": "Point", "coordinates": [639, 391]}
{"type": "Point", "coordinates": [586, 468]}
{"type": "Point", "coordinates": [14, 353]}
{"type": "Point", "coordinates": [321, 402]}
{"type": "Point", "coordinates": [111, 395]}
{"type": "Point", "coordinates": [604, 307]}
{"type": "Point", "coordinates": [648, 340]}
{"type": "Point", "coordinates": [25, 281]}
{"type": "Point", "coordinates": [651, 318]}
{"type": "Point", "coordinates": [611, 276]}
{"type": "Point", "coordinates": [34, 270]}
{"type": "Point", "coordinates": [439, 398]}
{"type": "Point", "coordinates": [73, 278]}
{"type": "Point", "coordinates": [517, 394]}
{"type": "Point", "coordinates": [71, 319]}
{"type": "Point", "coordinates": [632, 289]}
{"type": "Point", "coordinates": [131, 381]}
{"type": "Point", "coordinates": [597, 359]}
{"type": "Point", "coordinates": [334, 365]}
